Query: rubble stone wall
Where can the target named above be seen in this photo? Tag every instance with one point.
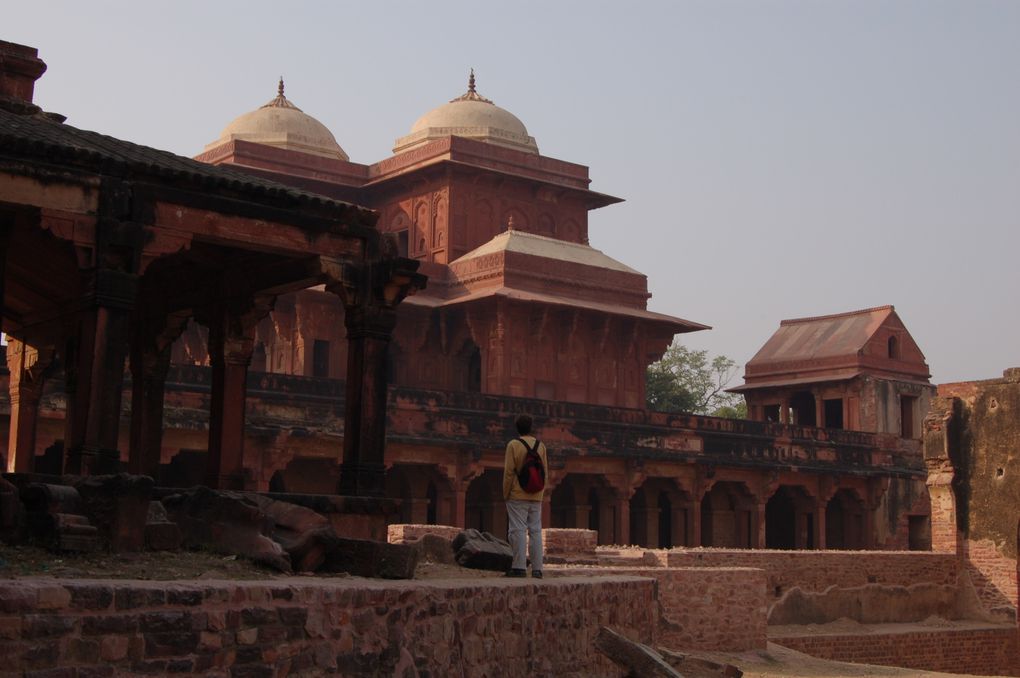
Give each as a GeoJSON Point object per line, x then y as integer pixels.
{"type": "Point", "coordinates": [987, 651]}
{"type": "Point", "coordinates": [702, 608]}
{"type": "Point", "coordinates": [356, 627]}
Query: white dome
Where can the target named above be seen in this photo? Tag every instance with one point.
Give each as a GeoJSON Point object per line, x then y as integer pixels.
{"type": "Point", "coordinates": [469, 115]}
{"type": "Point", "coordinates": [282, 124]}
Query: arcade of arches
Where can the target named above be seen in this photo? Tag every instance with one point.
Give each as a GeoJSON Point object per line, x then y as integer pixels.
{"type": "Point", "coordinates": [730, 510]}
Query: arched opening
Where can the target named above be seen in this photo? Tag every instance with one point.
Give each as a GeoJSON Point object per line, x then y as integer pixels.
{"type": "Point", "coordinates": [802, 406]}
{"type": "Point", "coordinates": [639, 520]}
{"type": "Point", "coordinates": [790, 519]}
{"type": "Point", "coordinates": [469, 367]}
{"type": "Point", "coordinates": [594, 509]}
{"type": "Point", "coordinates": [845, 520]}
{"type": "Point", "coordinates": [186, 469]}
{"type": "Point", "coordinates": [484, 508]}
{"type": "Point", "coordinates": [398, 487]}
{"type": "Point", "coordinates": [258, 358]}
{"type": "Point", "coordinates": [659, 514]}
{"type": "Point", "coordinates": [780, 521]}
{"type": "Point", "coordinates": [431, 513]}
{"type": "Point", "coordinates": [51, 462]}
{"type": "Point", "coordinates": [585, 501]}
{"type": "Point", "coordinates": [893, 346]}
{"type": "Point", "coordinates": [309, 475]}
{"type": "Point", "coordinates": [727, 516]}
{"type": "Point", "coordinates": [665, 521]}
{"type": "Point", "coordinates": [426, 496]}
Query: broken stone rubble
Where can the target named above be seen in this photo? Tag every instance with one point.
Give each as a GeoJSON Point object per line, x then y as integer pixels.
{"type": "Point", "coordinates": [116, 512]}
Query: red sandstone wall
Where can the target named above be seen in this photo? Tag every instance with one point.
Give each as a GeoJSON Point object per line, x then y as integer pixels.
{"type": "Point", "coordinates": [703, 608]}
{"type": "Point", "coordinates": [818, 570]}
{"type": "Point", "coordinates": [357, 627]}
{"type": "Point", "coordinates": [988, 651]}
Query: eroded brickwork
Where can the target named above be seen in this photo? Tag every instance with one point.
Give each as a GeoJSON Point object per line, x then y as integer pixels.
{"type": "Point", "coordinates": [818, 570]}
{"type": "Point", "coordinates": [982, 651]}
{"type": "Point", "coordinates": [703, 608]}
{"type": "Point", "coordinates": [356, 627]}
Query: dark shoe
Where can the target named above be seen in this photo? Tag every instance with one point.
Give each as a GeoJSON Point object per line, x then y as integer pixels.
{"type": "Point", "coordinates": [516, 573]}
{"type": "Point", "coordinates": [536, 574]}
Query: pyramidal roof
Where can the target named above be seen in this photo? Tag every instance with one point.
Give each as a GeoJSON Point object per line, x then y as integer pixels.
{"type": "Point", "coordinates": [522, 242]}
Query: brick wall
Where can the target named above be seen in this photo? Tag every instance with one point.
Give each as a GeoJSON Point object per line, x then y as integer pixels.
{"type": "Point", "coordinates": [994, 576]}
{"type": "Point", "coordinates": [313, 626]}
{"type": "Point", "coordinates": [703, 608]}
{"type": "Point", "coordinates": [983, 651]}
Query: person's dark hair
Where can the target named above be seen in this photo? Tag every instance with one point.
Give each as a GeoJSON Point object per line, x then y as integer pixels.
{"type": "Point", "coordinates": [523, 424]}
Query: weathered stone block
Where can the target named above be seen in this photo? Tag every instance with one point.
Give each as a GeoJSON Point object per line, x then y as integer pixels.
{"type": "Point", "coordinates": [90, 596]}
{"type": "Point", "coordinates": [119, 506]}
{"type": "Point", "coordinates": [482, 551]}
{"type": "Point", "coordinates": [372, 559]}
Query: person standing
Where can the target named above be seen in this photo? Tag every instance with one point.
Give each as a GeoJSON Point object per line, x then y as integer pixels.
{"type": "Point", "coordinates": [524, 471]}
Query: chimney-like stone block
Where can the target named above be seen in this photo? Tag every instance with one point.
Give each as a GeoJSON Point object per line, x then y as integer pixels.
{"type": "Point", "coordinates": [20, 67]}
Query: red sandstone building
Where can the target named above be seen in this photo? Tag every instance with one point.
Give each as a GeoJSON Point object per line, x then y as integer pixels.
{"type": "Point", "coordinates": [520, 313]}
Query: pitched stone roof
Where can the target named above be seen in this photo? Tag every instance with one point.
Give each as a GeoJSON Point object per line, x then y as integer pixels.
{"type": "Point", "coordinates": [826, 336]}
{"type": "Point", "coordinates": [835, 347]}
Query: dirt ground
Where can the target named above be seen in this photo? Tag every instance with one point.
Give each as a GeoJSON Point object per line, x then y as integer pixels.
{"type": "Point", "coordinates": [31, 561]}
{"type": "Point", "coordinates": [778, 661]}
{"type": "Point", "coordinates": [27, 561]}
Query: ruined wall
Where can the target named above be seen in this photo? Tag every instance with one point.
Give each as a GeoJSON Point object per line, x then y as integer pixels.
{"type": "Point", "coordinates": [971, 444]}
{"type": "Point", "coordinates": [905, 498]}
{"type": "Point", "coordinates": [313, 627]}
{"type": "Point", "coordinates": [871, 579]}
{"type": "Point", "coordinates": [982, 651]}
{"type": "Point", "coordinates": [703, 608]}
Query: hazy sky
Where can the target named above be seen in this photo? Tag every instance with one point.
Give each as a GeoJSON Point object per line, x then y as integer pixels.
{"type": "Point", "coordinates": [778, 159]}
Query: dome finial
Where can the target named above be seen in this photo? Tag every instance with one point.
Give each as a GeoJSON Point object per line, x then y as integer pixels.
{"type": "Point", "coordinates": [472, 94]}
{"type": "Point", "coordinates": [280, 101]}
{"type": "Point", "coordinates": [510, 223]}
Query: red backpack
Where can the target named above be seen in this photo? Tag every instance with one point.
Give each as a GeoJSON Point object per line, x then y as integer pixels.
{"type": "Point", "coordinates": [532, 473]}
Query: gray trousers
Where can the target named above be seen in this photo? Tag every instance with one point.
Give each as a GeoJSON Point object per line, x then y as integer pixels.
{"type": "Point", "coordinates": [525, 518]}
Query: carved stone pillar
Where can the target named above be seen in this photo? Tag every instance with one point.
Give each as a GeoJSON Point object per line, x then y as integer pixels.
{"type": "Point", "coordinates": [150, 361]}
{"type": "Point", "coordinates": [622, 527]}
{"type": "Point", "coordinates": [694, 522]}
{"type": "Point", "coordinates": [231, 341]}
{"type": "Point", "coordinates": [756, 538]}
{"type": "Point", "coordinates": [370, 294]}
{"type": "Point", "coordinates": [148, 381]}
{"type": "Point", "coordinates": [102, 345]}
{"type": "Point", "coordinates": [820, 506]}
{"type": "Point", "coordinates": [368, 335]}
{"type": "Point", "coordinates": [460, 505]}
{"type": "Point", "coordinates": [27, 365]}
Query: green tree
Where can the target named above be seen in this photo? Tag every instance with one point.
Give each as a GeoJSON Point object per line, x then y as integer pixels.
{"type": "Point", "coordinates": [686, 380]}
